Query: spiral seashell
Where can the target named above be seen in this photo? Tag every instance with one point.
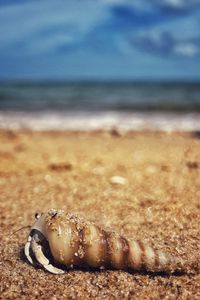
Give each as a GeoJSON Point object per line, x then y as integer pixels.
{"type": "Point", "coordinates": [58, 240]}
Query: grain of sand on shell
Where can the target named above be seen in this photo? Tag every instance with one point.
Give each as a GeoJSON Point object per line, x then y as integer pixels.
{"type": "Point", "coordinates": [158, 204]}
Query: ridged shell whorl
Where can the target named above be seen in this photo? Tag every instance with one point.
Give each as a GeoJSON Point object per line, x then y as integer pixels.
{"type": "Point", "coordinates": [75, 241]}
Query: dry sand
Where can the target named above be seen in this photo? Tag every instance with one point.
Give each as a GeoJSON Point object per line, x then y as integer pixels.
{"type": "Point", "coordinates": [157, 202]}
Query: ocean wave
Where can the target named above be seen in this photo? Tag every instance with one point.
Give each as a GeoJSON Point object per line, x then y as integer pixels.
{"type": "Point", "coordinates": [100, 120]}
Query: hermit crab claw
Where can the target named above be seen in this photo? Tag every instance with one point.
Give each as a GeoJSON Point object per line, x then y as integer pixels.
{"type": "Point", "coordinates": [36, 248]}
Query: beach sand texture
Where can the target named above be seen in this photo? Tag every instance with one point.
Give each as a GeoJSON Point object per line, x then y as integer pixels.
{"type": "Point", "coordinates": [157, 202]}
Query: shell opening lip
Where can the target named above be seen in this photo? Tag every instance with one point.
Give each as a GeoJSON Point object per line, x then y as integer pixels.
{"type": "Point", "coordinates": [42, 241]}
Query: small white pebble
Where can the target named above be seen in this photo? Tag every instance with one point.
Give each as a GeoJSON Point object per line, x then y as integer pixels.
{"type": "Point", "coordinates": [151, 169]}
{"type": "Point", "coordinates": [47, 178]}
{"type": "Point", "coordinates": [98, 171]}
{"type": "Point", "coordinates": [118, 180]}
{"type": "Point", "coordinates": [37, 189]}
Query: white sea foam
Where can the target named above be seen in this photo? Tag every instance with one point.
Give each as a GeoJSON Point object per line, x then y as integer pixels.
{"type": "Point", "coordinates": [100, 120]}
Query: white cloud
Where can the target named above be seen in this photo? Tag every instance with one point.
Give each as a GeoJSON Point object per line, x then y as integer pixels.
{"type": "Point", "coordinates": [187, 49]}
{"type": "Point", "coordinates": [175, 3]}
{"type": "Point", "coordinates": [38, 27]}
{"type": "Point", "coordinates": [167, 43]}
{"type": "Point", "coordinates": [179, 4]}
{"type": "Point", "coordinates": [49, 44]}
{"type": "Point", "coordinates": [20, 22]}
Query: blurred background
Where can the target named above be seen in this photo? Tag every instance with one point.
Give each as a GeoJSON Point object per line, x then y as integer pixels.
{"type": "Point", "coordinates": [104, 63]}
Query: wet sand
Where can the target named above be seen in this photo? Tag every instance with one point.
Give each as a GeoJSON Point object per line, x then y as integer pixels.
{"type": "Point", "coordinates": [158, 202]}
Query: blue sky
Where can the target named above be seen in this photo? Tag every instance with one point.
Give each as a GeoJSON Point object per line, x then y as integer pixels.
{"type": "Point", "coordinates": [106, 39]}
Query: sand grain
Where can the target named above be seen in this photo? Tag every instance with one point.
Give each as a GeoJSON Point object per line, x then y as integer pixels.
{"type": "Point", "coordinates": [159, 204]}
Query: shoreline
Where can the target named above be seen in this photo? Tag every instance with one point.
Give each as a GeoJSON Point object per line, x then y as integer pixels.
{"type": "Point", "coordinates": [86, 121]}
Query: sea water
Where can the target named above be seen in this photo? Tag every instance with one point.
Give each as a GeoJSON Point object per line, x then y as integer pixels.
{"type": "Point", "coordinates": [94, 105]}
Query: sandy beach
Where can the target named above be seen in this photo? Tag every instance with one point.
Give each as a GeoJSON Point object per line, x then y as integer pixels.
{"type": "Point", "coordinates": [157, 202]}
